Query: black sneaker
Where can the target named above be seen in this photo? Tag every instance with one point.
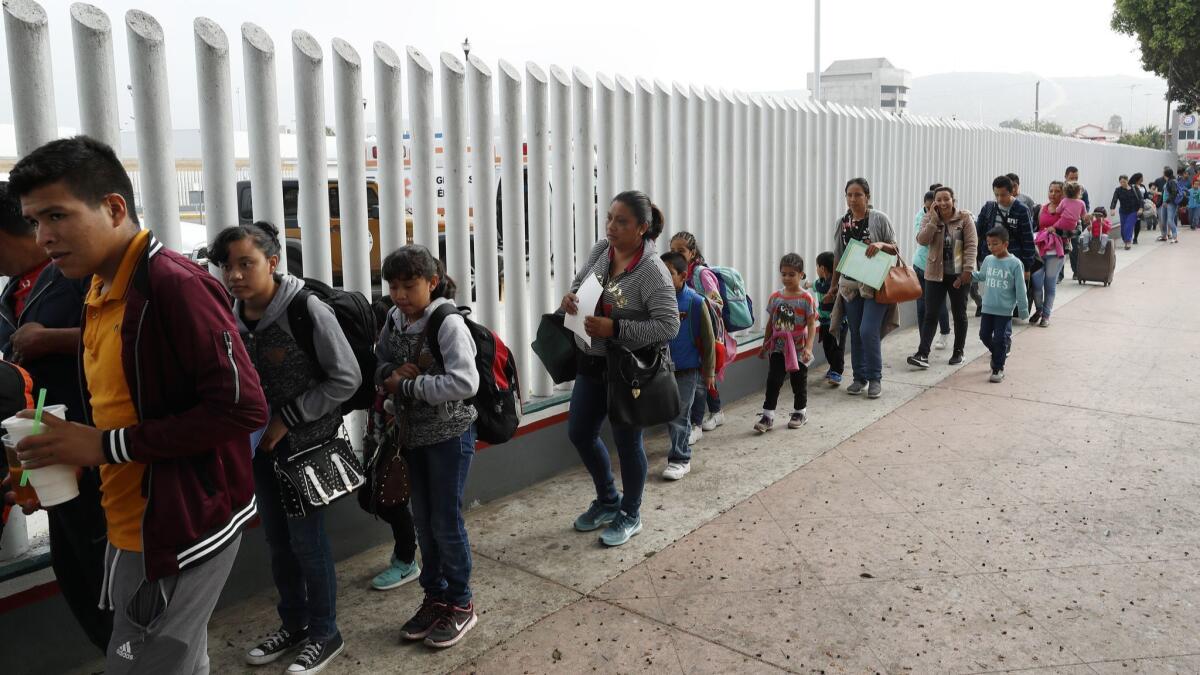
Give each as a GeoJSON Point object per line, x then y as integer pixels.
{"type": "Point", "coordinates": [1035, 317]}
{"type": "Point", "coordinates": [421, 623]}
{"type": "Point", "coordinates": [316, 655]}
{"type": "Point", "coordinates": [452, 626]}
{"type": "Point", "coordinates": [764, 424]}
{"type": "Point", "coordinates": [956, 358]}
{"type": "Point", "coordinates": [275, 645]}
{"type": "Point", "coordinates": [919, 361]}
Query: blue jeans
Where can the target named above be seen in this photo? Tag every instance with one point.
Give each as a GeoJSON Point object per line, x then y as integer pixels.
{"type": "Point", "coordinates": [437, 476]}
{"type": "Point", "coordinates": [1194, 216]}
{"type": "Point", "coordinates": [1170, 221]}
{"type": "Point", "coordinates": [589, 409]}
{"type": "Point", "coordinates": [301, 558]}
{"type": "Point", "coordinates": [866, 350]}
{"type": "Point", "coordinates": [1045, 284]}
{"type": "Point", "coordinates": [704, 401]}
{"type": "Point", "coordinates": [943, 317]}
{"type": "Point", "coordinates": [681, 427]}
{"type": "Point", "coordinates": [994, 331]}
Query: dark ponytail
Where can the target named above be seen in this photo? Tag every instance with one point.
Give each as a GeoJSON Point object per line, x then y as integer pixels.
{"type": "Point", "coordinates": [416, 262]}
{"type": "Point", "coordinates": [644, 211]}
{"type": "Point", "coordinates": [264, 234]}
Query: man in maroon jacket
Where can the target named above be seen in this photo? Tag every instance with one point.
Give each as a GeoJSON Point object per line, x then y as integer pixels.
{"type": "Point", "coordinates": [172, 399]}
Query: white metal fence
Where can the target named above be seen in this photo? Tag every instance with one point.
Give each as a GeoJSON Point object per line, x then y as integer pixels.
{"type": "Point", "coordinates": [751, 176]}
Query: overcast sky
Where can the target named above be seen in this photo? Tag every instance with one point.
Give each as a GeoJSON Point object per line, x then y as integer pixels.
{"type": "Point", "coordinates": [752, 45]}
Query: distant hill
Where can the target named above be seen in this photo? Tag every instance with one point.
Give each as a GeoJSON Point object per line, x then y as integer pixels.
{"type": "Point", "coordinates": [1069, 101]}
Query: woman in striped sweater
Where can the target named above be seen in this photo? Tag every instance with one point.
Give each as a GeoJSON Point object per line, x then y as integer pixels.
{"type": "Point", "coordinates": [636, 310]}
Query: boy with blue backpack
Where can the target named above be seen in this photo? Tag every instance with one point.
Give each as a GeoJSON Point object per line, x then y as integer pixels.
{"type": "Point", "coordinates": [693, 351]}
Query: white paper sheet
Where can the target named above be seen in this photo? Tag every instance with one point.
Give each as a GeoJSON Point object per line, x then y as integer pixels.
{"type": "Point", "coordinates": [589, 295]}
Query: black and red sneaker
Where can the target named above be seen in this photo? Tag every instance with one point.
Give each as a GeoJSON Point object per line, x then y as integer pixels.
{"type": "Point", "coordinates": [451, 626]}
{"type": "Point", "coordinates": [421, 623]}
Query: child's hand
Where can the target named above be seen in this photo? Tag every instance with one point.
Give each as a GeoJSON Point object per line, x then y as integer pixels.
{"type": "Point", "coordinates": [806, 356]}
{"type": "Point", "coordinates": [408, 371]}
{"type": "Point", "coordinates": [710, 383]}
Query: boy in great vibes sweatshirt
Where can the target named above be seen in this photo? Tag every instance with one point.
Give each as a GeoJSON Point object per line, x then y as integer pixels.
{"type": "Point", "coordinates": [1002, 280]}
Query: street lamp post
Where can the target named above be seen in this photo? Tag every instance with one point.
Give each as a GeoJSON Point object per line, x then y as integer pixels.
{"type": "Point", "coordinates": [466, 47]}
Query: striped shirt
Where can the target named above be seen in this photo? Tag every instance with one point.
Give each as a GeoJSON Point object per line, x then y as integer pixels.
{"type": "Point", "coordinates": [642, 300]}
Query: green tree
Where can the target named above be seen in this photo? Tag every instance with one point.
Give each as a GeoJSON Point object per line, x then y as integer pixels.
{"type": "Point", "coordinates": [1168, 33]}
{"type": "Point", "coordinates": [1115, 123]}
{"type": "Point", "coordinates": [1052, 128]}
{"type": "Point", "coordinates": [1146, 137]}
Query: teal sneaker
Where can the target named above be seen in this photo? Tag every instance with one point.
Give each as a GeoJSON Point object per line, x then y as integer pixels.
{"type": "Point", "coordinates": [597, 516]}
{"type": "Point", "coordinates": [621, 529]}
{"type": "Point", "coordinates": [397, 574]}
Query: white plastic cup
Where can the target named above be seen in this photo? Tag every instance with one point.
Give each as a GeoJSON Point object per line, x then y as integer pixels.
{"type": "Point", "coordinates": [20, 427]}
{"type": "Point", "coordinates": [54, 484]}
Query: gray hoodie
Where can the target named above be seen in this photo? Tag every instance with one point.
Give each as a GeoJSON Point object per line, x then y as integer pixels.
{"type": "Point", "coordinates": [334, 380]}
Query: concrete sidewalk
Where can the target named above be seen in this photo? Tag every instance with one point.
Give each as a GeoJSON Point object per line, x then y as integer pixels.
{"type": "Point", "coordinates": [953, 525]}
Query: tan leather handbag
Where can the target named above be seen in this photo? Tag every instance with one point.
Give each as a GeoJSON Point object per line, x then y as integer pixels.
{"type": "Point", "coordinates": [900, 285]}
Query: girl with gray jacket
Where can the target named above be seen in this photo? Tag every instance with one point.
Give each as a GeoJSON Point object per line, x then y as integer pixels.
{"type": "Point", "coordinates": [305, 393]}
{"type": "Point", "coordinates": [637, 309]}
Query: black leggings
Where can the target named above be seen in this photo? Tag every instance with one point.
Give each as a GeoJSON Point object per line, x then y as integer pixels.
{"type": "Point", "coordinates": [403, 531]}
{"type": "Point", "coordinates": [935, 299]}
{"type": "Point", "coordinates": [776, 374]}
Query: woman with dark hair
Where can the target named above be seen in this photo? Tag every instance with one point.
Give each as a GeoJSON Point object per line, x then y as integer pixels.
{"type": "Point", "coordinates": [305, 393]}
{"type": "Point", "coordinates": [920, 255]}
{"type": "Point", "coordinates": [637, 309]}
{"type": "Point", "coordinates": [950, 234]}
{"type": "Point", "coordinates": [1130, 200]}
{"type": "Point", "coordinates": [869, 320]}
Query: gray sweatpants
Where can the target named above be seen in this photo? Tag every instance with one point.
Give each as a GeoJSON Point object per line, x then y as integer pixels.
{"type": "Point", "coordinates": [161, 626]}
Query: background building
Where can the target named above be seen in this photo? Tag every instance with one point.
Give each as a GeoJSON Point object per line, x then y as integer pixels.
{"type": "Point", "coordinates": [868, 83]}
{"type": "Point", "coordinates": [1187, 136]}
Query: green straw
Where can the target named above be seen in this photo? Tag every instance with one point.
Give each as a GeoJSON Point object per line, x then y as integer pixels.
{"type": "Point", "coordinates": [37, 428]}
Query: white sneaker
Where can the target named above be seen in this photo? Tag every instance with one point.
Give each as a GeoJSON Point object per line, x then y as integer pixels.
{"type": "Point", "coordinates": [940, 342]}
{"type": "Point", "coordinates": [713, 421]}
{"type": "Point", "coordinates": [676, 470]}
{"type": "Point", "coordinates": [697, 434]}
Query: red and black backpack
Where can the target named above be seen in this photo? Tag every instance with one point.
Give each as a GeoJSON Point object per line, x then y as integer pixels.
{"type": "Point", "coordinates": [498, 399]}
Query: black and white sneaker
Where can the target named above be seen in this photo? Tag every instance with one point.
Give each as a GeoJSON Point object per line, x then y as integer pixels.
{"type": "Point", "coordinates": [919, 361]}
{"type": "Point", "coordinates": [452, 626]}
{"type": "Point", "coordinates": [956, 358]}
{"type": "Point", "coordinates": [316, 655]}
{"type": "Point", "coordinates": [275, 645]}
{"type": "Point", "coordinates": [421, 623]}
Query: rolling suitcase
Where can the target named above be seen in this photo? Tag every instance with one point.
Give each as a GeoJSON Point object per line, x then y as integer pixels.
{"type": "Point", "coordinates": [1096, 265]}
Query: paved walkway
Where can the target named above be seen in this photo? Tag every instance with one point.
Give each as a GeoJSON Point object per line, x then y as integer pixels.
{"type": "Point", "coordinates": [1047, 523]}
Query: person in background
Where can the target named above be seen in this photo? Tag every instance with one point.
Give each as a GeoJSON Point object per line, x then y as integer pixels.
{"type": "Point", "coordinates": [1007, 211]}
{"type": "Point", "coordinates": [1181, 201]}
{"type": "Point", "coordinates": [1002, 278]}
{"type": "Point", "coordinates": [1170, 207]}
{"type": "Point", "coordinates": [1126, 195]}
{"type": "Point", "coordinates": [920, 256]}
{"type": "Point", "coordinates": [40, 310]}
{"type": "Point", "coordinates": [704, 281]}
{"type": "Point", "coordinates": [788, 343]}
{"type": "Point", "coordinates": [693, 351]}
{"type": "Point", "coordinates": [637, 309]}
{"type": "Point", "coordinates": [172, 435]}
{"type": "Point", "coordinates": [1194, 201]}
{"type": "Point", "coordinates": [1099, 229]}
{"type": "Point", "coordinates": [16, 394]}
{"type": "Point", "coordinates": [1071, 175]}
{"type": "Point", "coordinates": [431, 397]}
{"type": "Point", "coordinates": [305, 393]}
{"type": "Point", "coordinates": [833, 338]}
{"type": "Point", "coordinates": [1025, 199]}
{"type": "Point", "coordinates": [950, 235]}
{"type": "Point", "coordinates": [869, 321]}
{"type": "Point", "coordinates": [1156, 192]}
{"type": "Point", "coordinates": [1056, 225]}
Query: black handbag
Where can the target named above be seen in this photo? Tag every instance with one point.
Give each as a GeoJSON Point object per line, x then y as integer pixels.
{"type": "Point", "coordinates": [641, 387]}
{"type": "Point", "coordinates": [315, 477]}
